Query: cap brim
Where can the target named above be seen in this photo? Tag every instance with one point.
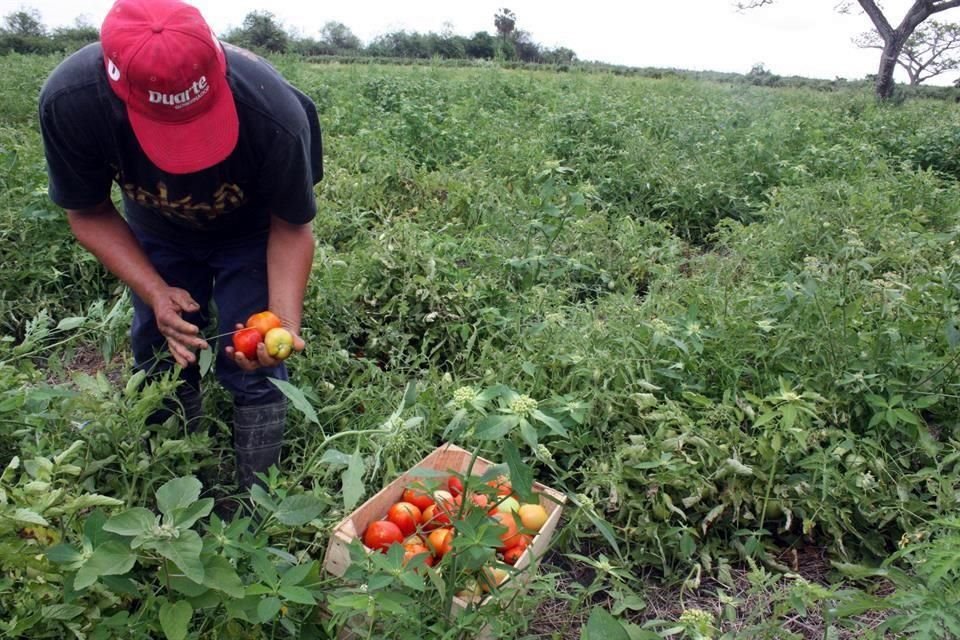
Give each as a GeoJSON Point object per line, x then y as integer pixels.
{"type": "Point", "coordinates": [192, 146]}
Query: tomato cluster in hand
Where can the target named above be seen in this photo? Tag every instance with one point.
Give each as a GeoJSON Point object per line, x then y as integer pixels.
{"type": "Point", "coordinates": [264, 327]}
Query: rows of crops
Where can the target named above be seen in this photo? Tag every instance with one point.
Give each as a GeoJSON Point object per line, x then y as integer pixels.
{"type": "Point", "coordinates": [736, 310]}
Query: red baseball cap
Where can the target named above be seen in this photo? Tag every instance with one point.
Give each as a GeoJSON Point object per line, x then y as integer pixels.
{"type": "Point", "coordinates": [166, 64]}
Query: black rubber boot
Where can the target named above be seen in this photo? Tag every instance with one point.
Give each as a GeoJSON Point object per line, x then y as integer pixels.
{"type": "Point", "coordinates": [257, 439]}
{"type": "Point", "coordinates": [188, 405]}
{"type": "Point", "coordinates": [191, 403]}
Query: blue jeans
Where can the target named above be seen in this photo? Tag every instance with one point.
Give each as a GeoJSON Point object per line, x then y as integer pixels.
{"type": "Point", "coordinates": [234, 275]}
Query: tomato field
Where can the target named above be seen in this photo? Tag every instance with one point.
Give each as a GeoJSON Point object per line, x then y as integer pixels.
{"type": "Point", "coordinates": [723, 320]}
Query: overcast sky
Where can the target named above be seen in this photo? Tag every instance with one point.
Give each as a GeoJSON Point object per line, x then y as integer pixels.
{"type": "Point", "coordinates": [793, 37]}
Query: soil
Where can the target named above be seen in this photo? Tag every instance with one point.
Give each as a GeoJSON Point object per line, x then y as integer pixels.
{"type": "Point", "coordinates": [555, 619]}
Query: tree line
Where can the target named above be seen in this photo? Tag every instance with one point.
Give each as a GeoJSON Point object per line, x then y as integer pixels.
{"type": "Point", "coordinates": [24, 32]}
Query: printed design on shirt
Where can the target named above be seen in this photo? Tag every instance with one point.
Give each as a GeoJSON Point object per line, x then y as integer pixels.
{"type": "Point", "coordinates": [226, 198]}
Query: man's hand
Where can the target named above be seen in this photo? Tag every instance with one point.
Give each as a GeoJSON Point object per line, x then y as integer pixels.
{"type": "Point", "coordinates": [263, 358]}
{"type": "Point", "coordinates": [169, 305]}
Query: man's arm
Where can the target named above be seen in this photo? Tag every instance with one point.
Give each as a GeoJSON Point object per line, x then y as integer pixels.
{"type": "Point", "coordinates": [104, 233]}
{"type": "Point", "coordinates": [289, 261]}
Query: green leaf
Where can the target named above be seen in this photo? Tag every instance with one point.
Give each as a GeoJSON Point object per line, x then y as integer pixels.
{"type": "Point", "coordinates": [206, 361]}
{"type": "Point", "coordinates": [352, 480]}
{"type": "Point", "coordinates": [29, 517]}
{"type": "Point", "coordinates": [297, 574]}
{"type": "Point", "coordinates": [335, 458]}
{"type": "Point", "coordinates": [62, 554]}
{"type": "Point", "coordinates": [133, 522]}
{"type": "Point", "coordinates": [764, 419]}
{"type": "Point", "coordinates": [521, 476]}
{"type": "Point", "coordinates": [295, 396]}
{"type": "Point", "coordinates": [219, 574]}
{"type": "Point", "coordinates": [410, 394]}
{"type": "Point", "coordinates": [529, 434]}
{"type": "Point", "coordinates": [91, 500]}
{"type": "Point", "coordinates": [261, 498]}
{"type": "Point", "coordinates": [603, 626]}
{"type": "Point", "coordinates": [458, 424]}
{"type": "Point", "coordinates": [112, 558]}
{"type": "Point", "coordinates": [298, 510]}
{"type": "Point", "coordinates": [602, 526]}
{"type": "Point", "coordinates": [552, 423]}
{"type": "Point", "coordinates": [953, 332]}
{"type": "Point", "coordinates": [186, 518]}
{"type": "Point", "coordinates": [71, 323]}
{"type": "Point", "coordinates": [268, 609]}
{"type": "Point", "coordinates": [494, 427]}
{"type": "Point", "coordinates": [178, 493]}
{"type": "Point", "coordinates": [789, 415]}
{"type": "Point", "coordinates": [264, 569]}
{"type": "Point", "coordinates": [183, 552]}
{"type": "Point", "coordinates": [175, 619]}
{"type": "Point", "coordinates": [297, 594]}
{"type": "Point", "coordinates": [61, 612]}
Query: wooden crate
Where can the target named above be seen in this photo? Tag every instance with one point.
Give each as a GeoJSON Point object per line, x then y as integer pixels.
{"type": "Point", "coordinates": [447, 457]}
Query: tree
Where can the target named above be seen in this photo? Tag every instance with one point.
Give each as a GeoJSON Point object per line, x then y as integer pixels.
{"type": "Point", "coordinates": [25, 23]}
{"type": "Point", "coordinates": [338, 36]}
{"type": "Point", "coordinates": [505, 22]}
{"type": "Point", "coordinates": [894, 38]}
{"type": "Point", "coordinates": [481, 46]}
{"type": "Point", "coordinates": [933, 49]}
{"type": "Point", "coordinates": [260, 30]}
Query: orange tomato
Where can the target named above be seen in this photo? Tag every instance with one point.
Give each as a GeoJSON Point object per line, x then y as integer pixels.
{"type": "Point", "coordinates": [510, 537]}
{"type": "Point", "coordinates": [434, 517]}
{"type": "Point", "coordinates": [411, 551]}
{"type": "Point", "coordinates": [417, 497]}
{"type": "Point", "coordinates": [502, 485]}
{"type": "Point", "coordinates": [406, 516]}
{"type": "Point", "coordinates": [263, 322]}
{"type": "Point", "coordinates": [441, 541]}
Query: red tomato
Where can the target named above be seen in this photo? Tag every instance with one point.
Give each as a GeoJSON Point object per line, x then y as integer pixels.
{"type": "Point", "coordinates": [245, 341]}
{"type": "Point", "coordinates": [510, 537]}
{"type": "Point", "coordinates": [455, 485]}
{"type": "Point", "coordinates": [511, 555]}
{"type": "Point", "coordinates": [441, 541]}
{"type": "Point", "coordinates": [406, 516]}
{"type": "Point", "coordinates": [263, 322]}
{"type": "Point", "coordinates": [417, 497]}
{"type": "Point", "coordinates": [381, 534]}
{"type": "Point", "coordinates": [523, 541]}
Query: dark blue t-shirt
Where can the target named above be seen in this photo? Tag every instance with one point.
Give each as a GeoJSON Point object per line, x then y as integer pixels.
{"type": "Point", "coordinates": [89, 144]}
